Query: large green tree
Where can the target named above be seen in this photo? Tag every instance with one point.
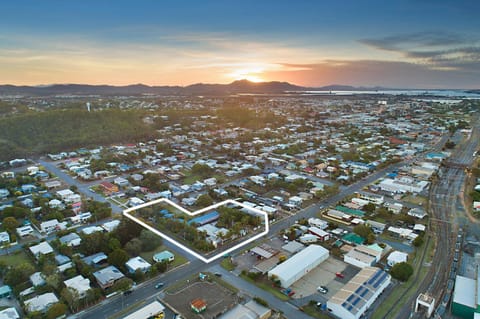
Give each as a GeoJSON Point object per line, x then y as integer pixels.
{"type": "Point", "coordinates": [401, 271]}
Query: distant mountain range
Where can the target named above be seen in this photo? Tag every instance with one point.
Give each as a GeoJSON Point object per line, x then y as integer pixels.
{"type": "Point", "coordinates": [241, 86]}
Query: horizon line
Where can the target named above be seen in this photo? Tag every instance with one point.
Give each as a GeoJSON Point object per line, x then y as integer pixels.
{"type": "Point", "coordinates": [40, 86]}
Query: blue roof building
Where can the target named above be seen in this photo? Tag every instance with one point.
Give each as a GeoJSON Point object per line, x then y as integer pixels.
{"type": "Point", "coordinates": [205, 219]}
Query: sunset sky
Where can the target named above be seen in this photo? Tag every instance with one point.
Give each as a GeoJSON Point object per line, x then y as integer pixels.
{"type": "Point", "coordinates": [402, 44]}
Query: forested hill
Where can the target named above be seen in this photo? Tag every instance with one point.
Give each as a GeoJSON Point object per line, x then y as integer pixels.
{"type": "Point", "coordinates": [60, 130]}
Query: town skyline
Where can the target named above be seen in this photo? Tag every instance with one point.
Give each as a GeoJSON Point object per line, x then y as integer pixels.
{"type": "Point", "coordinates": [396, 45]}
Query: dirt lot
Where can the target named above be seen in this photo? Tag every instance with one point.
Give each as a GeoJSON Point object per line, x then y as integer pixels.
{"type": "Point", "coordinates": [218, 298]}
{"type": "Point", "coordinates": [324, 275]}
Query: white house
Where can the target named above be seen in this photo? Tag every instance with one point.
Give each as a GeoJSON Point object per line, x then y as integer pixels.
{"type": "Point", "coordinates": [71, 240]}
{"type": "Point", "coordinates": [111, 226]}
{"type": "Point", "coordinates": [41, 303]}
{"type": "Point", "coordinates": [49, 226]}
{"type": "Point", "coordinates": [79, 284]}
{"type": "Point", "coordinates": [91, 229]}
{"type": "Point", "coordinates": [136, 263]}
{"type": "Point", "coordinates": [4, 238]}
{"type": "Point", "coordinates": [396, 257]}
{"type": "Point", "coordinates": [295, 200]}
{"type": "Point", "coordinates": [43, 248]}
{"type": "Point", "coordinates": [24, 231]}
{"type": "Point", "coordinates": [64, 193]}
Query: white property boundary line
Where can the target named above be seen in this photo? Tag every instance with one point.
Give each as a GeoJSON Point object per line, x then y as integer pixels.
{"type": "Point", "coordinates": [126, 213]}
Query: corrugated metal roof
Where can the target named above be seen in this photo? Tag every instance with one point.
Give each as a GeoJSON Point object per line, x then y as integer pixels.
{"type": "Point", "coordinates": [464, 293]}
{"type": "Point", "coordinates": [300, 261]}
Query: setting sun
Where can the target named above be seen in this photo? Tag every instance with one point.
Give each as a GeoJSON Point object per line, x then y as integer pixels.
{"type": "Point", "coordinates": [250, 74]}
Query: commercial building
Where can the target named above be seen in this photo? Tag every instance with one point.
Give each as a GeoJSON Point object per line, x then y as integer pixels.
{"type": "Point", "coordinates": [466, 297]}
{"type": "Point", "coordinates": [299, 265]}
{"type": "Point", "coordinates": [362, 256]}
{"type": "Point", "coordinates": [152, 310]}
{"type": "Point", "coordinates": [251, 310]}
{"type": "Point", "coordinates": [359, 293]}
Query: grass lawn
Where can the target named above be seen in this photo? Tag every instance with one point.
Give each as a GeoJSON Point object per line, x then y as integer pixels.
{"type": "Point", "coordinates": [190, 179]}
{"type": "Point", "coordinates": [314, 312]}
{"type": "Point", "coordinates": [227, 264]}
{"type": "Point", "coordinates": [417, 200]}
{"type": "Point", "coordinates": [396, 299]}
{"type": "Point", "coordinates": [179, 259]}
{"type": "Point", "coordinates": [267, 287]}
{"type": "Point", "coordinates": [16, 258]}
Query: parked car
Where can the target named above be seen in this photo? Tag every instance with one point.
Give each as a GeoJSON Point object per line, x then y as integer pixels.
{"type": "Point", "coordinates": [340, 275]}
{"type": "Point", "coordinates": [322, 289]}
{"type": "Point", "coordinates": [159, 285]}
{"type": "Point", "coordinates": [127, 292]}
{"type": "Point", "coordinates": [218, 274]}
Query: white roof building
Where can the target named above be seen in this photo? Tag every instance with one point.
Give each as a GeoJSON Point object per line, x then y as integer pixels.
{"type": "Point", "coordinates": [111, 226]}
{"type": "Point", "coordinates": [465, 295]}
{"type": "Point", "coordinates": [91, 229]}
{"type": "Point", "coordinates": [9, 313]}
{"type": "Point", "coordinates": [362, 256]}
{"type": "Point", "coordinates": [37, 279]}
{"type": "Point", "coordinates": [71, 240]}
{"type": "Point", "coordinates": [24, 231]}
{"type": "Point", "coordinates": [4, 238]}
{"type": "Point", "coordinates": [353, 299]}
{"type": "Point", "coordinates": [396, 257]}
{"type": "Point", "coordinates": [298, 265]}
{"type": "Point", "coordinates": [48, 226]}
{"type": "Point", "coordinates": [43, 248]}
{"type": "Point", "coordinates": [78, 283]}
{"type": "Point", "coordinates": [64, 193]}
{"type": "Point", "coordinates": [41, 303]}
{"type": "Point", "coordinates": [149, 311]}
{"type": "Point", "coordinates": [137, 263]}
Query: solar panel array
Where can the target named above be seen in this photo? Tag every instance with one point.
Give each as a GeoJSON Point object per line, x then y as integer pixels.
{"type": "Point", "coordinates": [362, 294]}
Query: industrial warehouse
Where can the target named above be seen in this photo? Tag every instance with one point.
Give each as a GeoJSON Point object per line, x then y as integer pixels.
{"type": "Point", "coordinates": [298, 265]}
{"type": "Point", "coordinates": [359, 293]}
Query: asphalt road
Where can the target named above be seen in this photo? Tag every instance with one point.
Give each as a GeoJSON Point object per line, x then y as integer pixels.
{"type": "Point", "coordinates": [83, 188]}
{"type": "Point", "coordinates": [146, 291]}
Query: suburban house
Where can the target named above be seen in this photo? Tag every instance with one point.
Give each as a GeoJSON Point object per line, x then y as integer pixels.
{"type": "Point", "coordinates": [37, 279]}
{"type": "Point", "coordinates": [43, 248]}
{"type": "Point", "coordinates": [164, 256]}
{"type": "Point", "coordinates": [106, 277]}
{"type": "Point", "coordinates": [71, 240]}
{"type": "Point", "coordinates": [4, 238]}
{"type": "Point", "coordinates": [41, 303]}
{"type": "Point", "coordinates": [95, 259]}
{"type": "Point", "coordinates": [109, 188]}
{"type": "Point", "coordinates": [137, 263]}
{"type": "Point", "coordinates": [49, 226]}
{"type": "Point", "coordinates": [79, 284]}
